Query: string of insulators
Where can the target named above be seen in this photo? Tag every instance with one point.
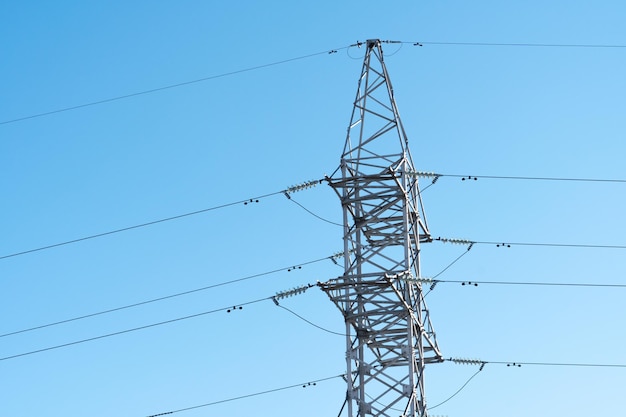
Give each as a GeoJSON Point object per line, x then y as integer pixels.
{"type": "Point", "coordinates": [462, 361]}
{"type": "Point", "coordinates": [422, 174]}
{"type": "Point", "coordinates": [290, 293]}
{"type": "Point", "coordinates": [338, 255]}
{"type": "Point", "coordinates": [411, 278]}
{"type": "Point", "coordinates": [303, 186]}
{"type": "Point", "coordinates": [455, 241]}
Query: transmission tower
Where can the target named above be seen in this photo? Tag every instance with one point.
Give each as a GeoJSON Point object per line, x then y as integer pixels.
{"type": "Point", "coordinates": [390, 338]}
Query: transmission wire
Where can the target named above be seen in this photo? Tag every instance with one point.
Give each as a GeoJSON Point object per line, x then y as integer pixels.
{"type": "Point", "coordinates": [129, 330]}
{"type": "Point", "coordinates": [311, 323]}
{"type": "Point", "coordinates": [550, 244]}
{"type": "Point", "coordinates": [315, 215]}
{"type": "Point", "coordinates": [171, 86]}
{"type": "Point", "coordinates": [459, 390]}
{"type": "Point", "coordinates": [302, 384]}
{"type": "Point", "coordinates": [528, 178]}
{"type": "Point", "coordinates": [154, 300]}
{"type": "Point", "coordinates": [150, 223]}
{"type": "Point", "coordinates": [542, 45]}
{"type": "Point", "coordinates": [555, 284]}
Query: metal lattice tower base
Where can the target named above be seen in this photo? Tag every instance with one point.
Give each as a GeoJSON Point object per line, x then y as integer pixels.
{"type": "Point", "coordinates": [389, 335]}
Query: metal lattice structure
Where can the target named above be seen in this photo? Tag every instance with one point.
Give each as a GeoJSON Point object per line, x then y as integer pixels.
{"type": "Point", "coordinates": [389, 334]}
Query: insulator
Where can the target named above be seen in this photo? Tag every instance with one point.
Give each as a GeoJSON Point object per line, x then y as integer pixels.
{"type": "Point", "coordinates": [337, 255]}
{"type": "Point", "coordinates": [455, 241]}
{"type": "Point", "coordinates": [291, 292]}
{"type": "Point", "coordinates": [461, 361]}
{"type": "Point", "coordinates": [423, 174]}
{"type": "Point", "coordinates": [303, 186]}
{"type": "Point", "coordinates": [411, 278]}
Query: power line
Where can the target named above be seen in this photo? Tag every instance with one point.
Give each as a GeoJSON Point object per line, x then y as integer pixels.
{"type": "Point", "coordinates": [575, 365]}
{"type": "Point", "coordinates": [453, 262]}
{"type": "Point", "coordinates": [506, 244]}
{"type": "Point", "coordinates": [298, 188]}
{"type": "Point", "coordinates": [231, 307]}
{"type": "Point", "coordinates": [166, 219]}
{"type": "Point", "coordinates": [91, 339]}
{"type": "Point", "coordinates": [309, 322]}
{"type": "Point", "coordinates": [540, 45]}
{"type": "Point", "coordinates": [554, 284]}
{"type": "Point", "coordinates": [519, 364]}
{"type": "Point", "coordinates": [315, 215]}
{"type": "Point", "coordinates": [552, 244]}
{"type": "Point", "coordinates": [459, 390]}
{"type": "Point", "coordinates": [241, 397]}
{"type": "Point", "coordinates": [166, 297]}
{"type": "Point", "coordinates": [436, 176]}
{"type": "Point", "coordinates": [257, 67]}
{"type": "Point", "coordinates": [171, 86]}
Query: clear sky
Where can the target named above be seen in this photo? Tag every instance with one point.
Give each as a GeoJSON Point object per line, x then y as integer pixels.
{"type": "Point", "coordinates": [480, 110]}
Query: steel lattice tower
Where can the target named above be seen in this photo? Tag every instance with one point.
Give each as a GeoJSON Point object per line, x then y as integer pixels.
{"type": "Point", "coordinates": [389, 335]}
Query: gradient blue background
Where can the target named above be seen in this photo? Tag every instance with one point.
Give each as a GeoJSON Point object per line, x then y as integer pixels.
{"type": "Point", "coordinates": [469, 110]}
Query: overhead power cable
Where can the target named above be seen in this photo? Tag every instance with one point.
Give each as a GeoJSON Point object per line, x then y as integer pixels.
{"type": "Point", "coordinates": [271, 64]}
{"type": "Point", "coordinates": [457, 391]}
{"type": "Point", "coordinates": [235, 307]}
{"type": "Point", "coordinates": [505, 244]}
{"type": "Point", "coordinates": [241, 397]}
{"type": "Point", "coordinates": [166, 219]}
{"type": "Point", "coordinates": [460, 361]}
{"type": "Point", "coordinates": [134, 329]}
{"type": "Point", "coordinates": [551, 244]}
{"type": "Point", "coordinates": [482, 364]}
{"type": "Point", "coordinates": [310, 322]}
{"type": "Point", "coordinates": [545, 284]}
{"type": "Point", "coordinates": [163, 298]}
{"type": "Point", "coordinates": [435, 176]}
{"type": "Point", "coordinates": [535, 45]}
{"type": "Point", "coordinates": [170, 86]}
{"type": "Point", "coordinates": [315, 215]}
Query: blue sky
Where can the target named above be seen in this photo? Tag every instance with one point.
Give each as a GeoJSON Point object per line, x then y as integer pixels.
{"type": "Point", "coordinates": [468, 110]}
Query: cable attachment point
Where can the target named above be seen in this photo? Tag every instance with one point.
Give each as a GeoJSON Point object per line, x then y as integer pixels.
{"type": "Point", "coordinates": [290, 293]}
